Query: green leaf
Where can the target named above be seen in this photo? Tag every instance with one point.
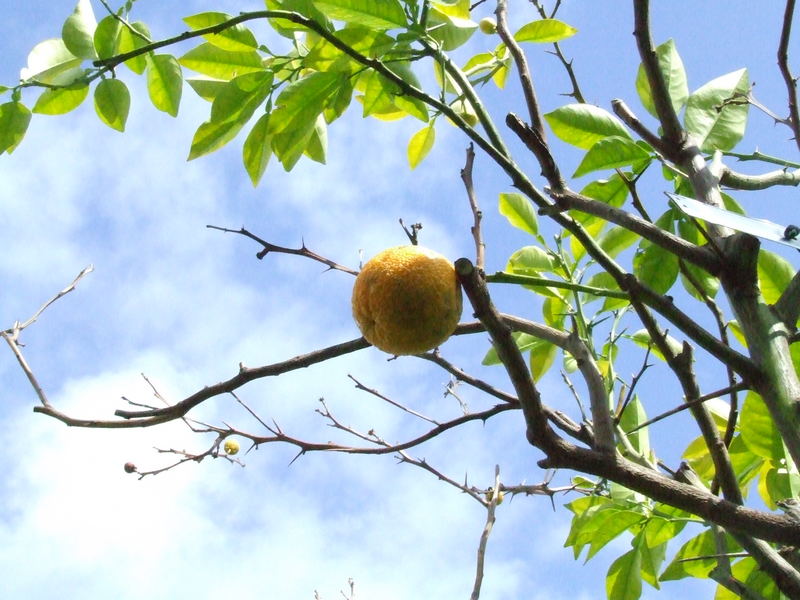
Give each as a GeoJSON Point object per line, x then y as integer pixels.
{"type": "Point", "coordinates": [543, 354]}
{"type": "Point", "coordinates": [544, 30]}
{"type": "Point", "coordinates": [324, 56]}
{"type": "Point", "coordinates": [716, 114]}
{"type": "Point", "coordinates": [241, 96]}
{"type": "Point", "coordinates": [774, 274]}
{"type": "Point", "coordinates": [305, 8]}
{"type": "Point", "coordinates": [112, 101]}
{"type": "Point", "coordinates": [611, 153]}
{"type": "Point", "coordinates": [697, 547]}
{"type": "Point", "coordinates": [524, 342]}
{"type": "Point", "coordinates": [698, 277]}
{"type": "Point", "coordinates": [455, 8]}
{"type": "Point", "coordinates": [617, 239]}
{"type": "Point", "coordinates": [58, 101]}
{"type": "Point", "coordinates": [211, 136]}
{"type": "Point", "coordinates": [531, 260]}
{"type": "Point", "coordinates": [633, 416]}
{"type": "Point", "coordinates": [653, 265]}
{"type": "Point", "coordinates": [642, 338]}
{"type": "Point", "coordinates": [758, 430]}
{"type": "Point", "coordinates": [375, 14]}
{"type": "Point", "coordinates": [659, 530]}
{"type": "Point", "coordinates": [165, 83]}
{"type": "Point", "coordinates": [14, 120]}
{"type": "Point", "coordinates": [233, 39]}
{"type": "Point", "coordinates": [106, 37]}
{"type": "Point", "coordinates": [420, 144]}
{"type": "Point", "coordinates": [609, 524]}
{"type": "Point", "coordinates": [129, 41]}
{"type": "Point", "coordinates": [652, 557]}
{"type": "Point", "coordinates": [623, 581]}
{"type": "Point", "coordinates": [450, 31]}
{"type": "Point", "coordinates": [671, 67]}
{"type": "Point", "coordinates": [519, 211]}
{"type": "Point", "coordinates": [317, 147]}
{"type": "Point", "coordinates": [257, 149]}
{"type": "Point", "coordinates": [206, 87]}
{"type": "Point", "coordinates": [78, 30]}
{"type": "Point", "coordinates": [221, 64]}
{"type": "Point", "coordinates": [583, 125]}
{"type": "Point", "coordinates": [300, 102]}
{"type": "Point", "coordinates": [51, 63]}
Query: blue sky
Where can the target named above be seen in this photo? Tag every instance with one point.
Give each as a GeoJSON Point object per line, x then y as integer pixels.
{"type": "Point", "coordinates": [185, 305]}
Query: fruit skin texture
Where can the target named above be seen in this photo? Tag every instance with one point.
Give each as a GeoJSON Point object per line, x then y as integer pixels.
{"type": "Point", "coordinates": [231, 447]}
{"type": "Point", "coordinates": [488, 25]}
{"type": "Point", "coordinates": [407, 300]}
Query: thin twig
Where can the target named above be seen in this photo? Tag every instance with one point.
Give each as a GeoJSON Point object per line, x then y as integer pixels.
{"type": "Point", "coordinates": [487, 530]}
{"type": "Point", "coordinates": [477, 235]}
{"type": "Point", "coordinates": [783, 65]}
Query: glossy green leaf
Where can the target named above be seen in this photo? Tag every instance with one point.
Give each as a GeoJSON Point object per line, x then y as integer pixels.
{"type": "Point", "coordinates": [305, 8]}
{"type": "Point", "coordinates": [211, 136]}
{"type": "Point", "coordinates": [611, 153]}
{"type": "Point", "coordinates": [317, 147]}
{"type": "Point", "coordinates": [14, 120]}
{"type": "Point", "coordinates": [59, 101]}
{"type": "Point", "coordinates": [106, 37]}
{"type": "Point", "coordinates": [519, 211]}
{"type": "Point", "coordinates": [112, 101]}
{"type": "Point", "coordinates": [524, 342]}
{"type": "Point", "coordinates": [299, 103]}
{"type": "Point", "coordinates": [633, 416]}
{"type": "Point", "coordinates": [78, 30]}
{"type": "Point", "coordinates": [241, 96]}
{"type": "Point", "coordinates": [671, 67]}
{"type": "Point", "coordinates": [583, 125]}
{"type": "Point", "coordinates": [165, 83]}
{"type": "Point", "coordinates": [324, 56]}
{"type": "Point", "coordinates": [210, 60]}
{"type": "Point", "coordinates": [531, 260]}
{"type": "Point", "coordinates": [257, 149]}
{"type": "Point", "coordinates": [716, 114]}
{"type": "Point", "coordinates": [206, 87]}
{"type": "Point", "coordinates": [697, 547]}
{"type": "Point", "coordinates": [450, 31]}
{"type": "Point", "coordinates": [655, 266]}
{"type": "Point", "coordinates": [617, 239]}
{"type": "Point", "coordinates": [642, 338]}
{"type": "Point", "coordinates": [130, 41]}
{"type": "Point", "coordinates": [758, 429]}
{"type": "Point", "coordinates": [455, 8]}
{"type": "Point", "coordinates": [420, 144]}
{"type": "Point", "coordinates": [290, 144]}
{"type": "Point", "coordinates": [543, 354]}
{"type": "Point", "coordinates": [233, 39]}
{"type": "Point", "coordinates": [544, 31]}
{"type": "Point", "coordinates": [774, 274]}
{"type": "Point", "coordinates": [608, 525]}
{"type": "Point", "coordinates": [375, 14]}
{"type": "Point", "coordinates": [51, 63]}
{"type": "Point", "coordinates": [660, 530]}
{"type": "Point", "coordinates": [623, 581]}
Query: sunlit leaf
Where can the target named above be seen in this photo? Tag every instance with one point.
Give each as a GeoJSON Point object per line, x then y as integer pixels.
{"type": "Point", "coordinates": [758, 429]}
{"type": "Point", "coordinates": [130, 41]}
{"type": "Point", "coordinates": [165, 83]}
{"type": "Point", "coordinates": [544, 30]}
{"type": "Point", "coordinates": [112, 101]}
{"type": "Point", "coordinates": [623, 581]}
{"type": "Point", "coordinates": [106, 37]}
{"type": "Point", "coordinates": [51, 63]}
{"type": "Point", "coordinates": [583, 125]}
{"type": "Point", "coordinates": [420, 144]}
{"type": "Point", "coordinates": [519, 211]}
{"type": "Point", "coordinates": [78, 30]}
{"type": "Point", "coordinates": [674, 74]}
{"type": "Point", "coordinates": [375, 14]}
{"type": "Point", "coordinates": [234, 39]}
{"type": "Point", "coordinates": [59, 101]}
{"type": "Point", "coordinates": [210, 60]}
{"type": "Point", "coordinates": [257, 149]}
{"type": "Point", "coordinates": [611, 153]}
{"type": "Point", "coordinates": [716, 114]}
{"type": "Point", "coordinates": [14, 120]}
{"type": "Point", "coordinates": [774, 274]}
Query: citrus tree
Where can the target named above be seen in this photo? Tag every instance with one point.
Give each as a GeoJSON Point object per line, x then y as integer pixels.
{"type": "Point", "coordinates": [619, 274]}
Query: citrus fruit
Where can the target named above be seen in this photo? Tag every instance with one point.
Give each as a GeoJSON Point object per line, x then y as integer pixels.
{"type": "Point", "coordinates": [488, 25]}
{"type": "Point", "coordinates": [407, 300]}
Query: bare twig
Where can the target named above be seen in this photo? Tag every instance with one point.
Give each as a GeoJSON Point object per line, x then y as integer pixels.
{"type": "Point", "coordinates": [302, 251]}
{"type": "Point", "coordinates": [477, 235]}
{"type": "Point", "coordinates": [487, 530]}
{"type": "Point", "coordinates": [783, 65]}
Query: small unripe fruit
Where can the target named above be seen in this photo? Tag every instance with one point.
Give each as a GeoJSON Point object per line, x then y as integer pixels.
{"type": "Point", "coordinates": [490, 495]}
{"type": "Point", "coordinates": [130, 467]}
{"type": "Point", "coordinates": [488, 25]}
{"type": "Point", "coordinates": [231, 447]}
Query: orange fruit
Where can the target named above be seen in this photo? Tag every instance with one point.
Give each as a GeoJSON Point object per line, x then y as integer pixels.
{"type": "Point", "coordinates": [407, 300]}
